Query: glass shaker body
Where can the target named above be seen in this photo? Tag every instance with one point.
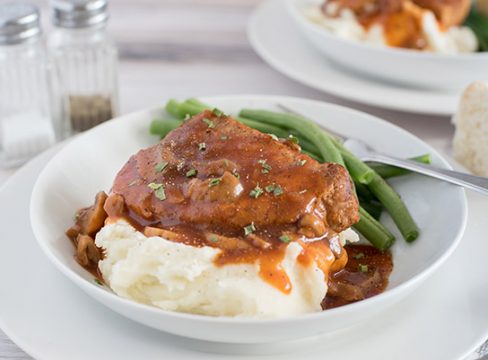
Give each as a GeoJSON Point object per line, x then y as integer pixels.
{"type": "Point", "coordinates": [85, 62]}
{"type": "Point", "coordinates": [28, 108]}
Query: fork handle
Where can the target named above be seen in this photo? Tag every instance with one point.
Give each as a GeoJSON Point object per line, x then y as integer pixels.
{"type": "Point", "coordinates": [477, 183]}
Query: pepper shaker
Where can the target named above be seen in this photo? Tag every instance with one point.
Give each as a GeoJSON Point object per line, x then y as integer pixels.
{"type": "Point", "coordinates": [27, 107]}
{"type": "Point", "coordinates": [85, 60]}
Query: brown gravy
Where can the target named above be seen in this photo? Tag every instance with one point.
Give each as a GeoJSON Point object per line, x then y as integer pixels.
{"type": "Point", "coordinates": [365, 275]}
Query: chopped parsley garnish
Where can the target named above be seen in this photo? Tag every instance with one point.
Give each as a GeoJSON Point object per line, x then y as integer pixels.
{"type": "Point", "coordinates": [187, 117]}
{"type": "Point", "coordinates": [277, 190]}
{"type": "Point", "coordinates": [224, 137]}
{"type": "Point", "coordinates": [160, 166]}
{"type": "Point", "coordinates": [274, 137]}
{"type": "Point", "coordinates": [133, 182]}
{"type": "Point", "coordinates": [202, 146]}
{"type": "Point", "coordinates": [218, 112]}
{"type": "Point", "coordinates": [236, 174]}
{"type": "Point", "coordinates": [98, 282]}
{"type": "Point", "coordinates": [249, 229]}
{"type": "Point", "coordinates": [213, 238]}
{"type": "Point", "coordinates": [210, 123]}
{"type": "Point", "coordinates": [158, 190]}
{"type": "Point", "coordinates": [293, 139]}
{"type": "Point", "coordinates": [301, 162]}
{"type": "Point", "coordinates": [269, 188]}
{"type": "Point", "coordinates": [363, 268]}
{"type": "Point", "coordinates": [285, 238]}
{"type": "Point", "coordinates": [256, 192]}
{"type": "Point", "coordinates": [265, 166]}
{"type": "Point", "coordinates": [214, 182]}
{"type": "Point", "coordinates": [191, 172]}
{"type": "Point", "coordinates": [358, 256]}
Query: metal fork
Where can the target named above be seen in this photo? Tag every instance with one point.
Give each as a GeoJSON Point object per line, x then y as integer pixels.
{"type": "Point", "coordinates": [367, 154]}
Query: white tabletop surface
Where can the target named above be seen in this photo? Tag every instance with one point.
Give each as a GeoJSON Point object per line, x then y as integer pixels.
{"type": "Point", "coordinates": [182, 48]}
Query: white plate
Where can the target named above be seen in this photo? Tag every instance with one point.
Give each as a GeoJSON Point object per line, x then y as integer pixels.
{"type": "Point", "coordinates": [422, 69]}
{"type": "Point", "coordinates": [51, 319]}
{"type": "Point", "coordinates": [63, 187]}
{"type": "Point", "coordinates": [279, 42]}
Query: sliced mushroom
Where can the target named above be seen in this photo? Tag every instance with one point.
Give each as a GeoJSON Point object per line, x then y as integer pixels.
{"type": "Point", "coordinates": [114, 206]}
{"type": "Point", "coordinates": [226, 189]}
{"type": "Point", "coordinates": [311, 226]}
{"type": "Point", "coordinates": [259, 242]}
{"type": "Point", "coordinates": [92, 219]}
{"type": "Point", "coordinates": [87, 252]}
{"type": "Point", "coordinates": [150, 231]}
{"type": "Point", "coordinates": [227, 243]}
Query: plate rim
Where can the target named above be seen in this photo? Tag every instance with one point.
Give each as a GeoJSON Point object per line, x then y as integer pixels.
{"type": "Point", "coordinates": [418, 278]}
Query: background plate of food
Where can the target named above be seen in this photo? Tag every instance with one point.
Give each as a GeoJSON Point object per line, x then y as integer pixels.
{"type": "Point", "coordinates": [220, 211]}
{"type": "Point", "coordinates": [282, 44]}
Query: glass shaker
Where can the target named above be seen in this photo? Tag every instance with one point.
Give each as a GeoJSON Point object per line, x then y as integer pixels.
{"type": "Point", "coordinates": [27, 107]}
{"type": "Point", "coordinates": [85, 60]}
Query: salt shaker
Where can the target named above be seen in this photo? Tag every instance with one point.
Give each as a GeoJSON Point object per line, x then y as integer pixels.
{"type": "Point", "coordinates": [27, 107]}
{"type": "Point", "coordinates": [85, 59]}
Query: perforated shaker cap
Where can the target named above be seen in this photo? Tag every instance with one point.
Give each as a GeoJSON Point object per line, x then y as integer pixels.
{"type": "Point", "coordinates": [79, 13]}
{"type": "Point", "coordinates": [19, 22]}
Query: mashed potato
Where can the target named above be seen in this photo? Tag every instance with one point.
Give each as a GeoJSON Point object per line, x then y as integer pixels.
{"type": "Point", "coordinates": [457, 39]}
{"type": "Point", "coordinates": [178, 277]}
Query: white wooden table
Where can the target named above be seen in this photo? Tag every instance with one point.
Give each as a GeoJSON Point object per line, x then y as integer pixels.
{"type": "Point", "coordinates": [182, 48]}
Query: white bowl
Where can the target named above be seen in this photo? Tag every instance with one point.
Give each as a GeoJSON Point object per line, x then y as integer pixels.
{"type": "Point", "coordinates": [90, 162]}
{"type": "Point", "coordinates": [415, 68]}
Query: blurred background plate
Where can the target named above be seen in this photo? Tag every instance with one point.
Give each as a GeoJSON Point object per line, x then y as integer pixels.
{"type": "Point", "coordinates": [279, 42]}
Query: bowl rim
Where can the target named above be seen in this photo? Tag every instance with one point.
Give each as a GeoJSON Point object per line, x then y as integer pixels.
{"type": "Point", "coordinates": [292, 9]}
{"type": "Point", "coordinates": [111, 297]}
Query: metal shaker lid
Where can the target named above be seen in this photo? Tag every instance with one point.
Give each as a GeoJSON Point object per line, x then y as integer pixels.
{"type": "Point", "coordinates": [79, 13]}
{"type": "Point", "coordinates": [19, 22]}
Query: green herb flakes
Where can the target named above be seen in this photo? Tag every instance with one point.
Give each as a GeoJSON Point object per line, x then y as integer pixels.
{"type": "Point", "coordinates": [213, 238]}
{"type": "Point", "coordinates": [265, 166]}
{"type": "Point", "coordinates": [191, 173]}
{"type": "Point", "coordinates": [269, 188]}
{"type": "Point", "coordinates": [293, 139]}
{"type": "Point", "coordinates": [363, 268]}
{"type": "Point", "coordinates": [236, 174]}
{"type": "Point", "coordinates": [218, 112]}
{"type": "Point", "coordinates": [158, 190]}
{"type": "Point", "coordinates": [210, 123]}
{"type": "Point", "coordinates": [214, 182]}
{"type": "Point", "coordinates": [256, 192]}
{"type": "Point", "coordinates": [358, 256]}
{"type": "Point", "coordinates": [187, 117]}
{"type": "Point", "coordinates": [277, 190]}
{"type": "Point", "coordinates": [160, 166]}
{"type": "Point", "coordinates": [249, 229]}
{"type": "Point", "coordinates": [285, 239]}
{"type": "Point", "coordinates": [202, 146]}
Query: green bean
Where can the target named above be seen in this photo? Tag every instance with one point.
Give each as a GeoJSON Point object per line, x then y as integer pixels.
{"type": "Point", "coordinates": [395, 207]}
{"type": "Point", "coordinates": [358, 170]}
{"type": "Point", "coordinates": [305, 127]}
{"type": "Point", "coordinates": [387, 171]}
{"type": "Point", "coordinates": [173, 108]}
{"type": "Point", "coordinates": [363, 192]}
{"type": "Point", "coordinates": [379, 236]}
{"type": "Point", "coordinates": [162, 127]}
{"type": "Point", "coordinates": [374, 208]}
